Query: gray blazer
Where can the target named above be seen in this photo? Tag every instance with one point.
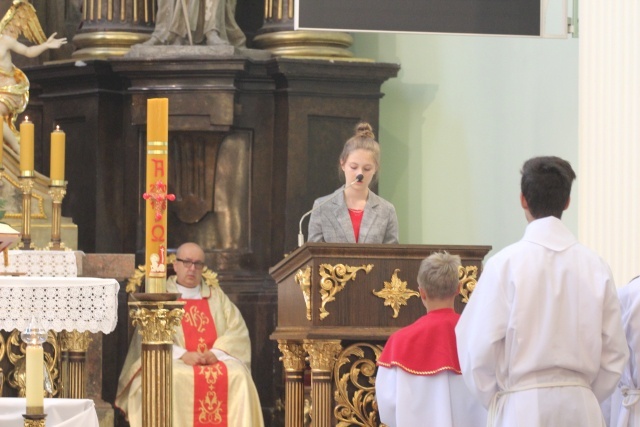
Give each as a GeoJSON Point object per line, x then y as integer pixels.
{"type": "Point", "coordinates": [331, 222]}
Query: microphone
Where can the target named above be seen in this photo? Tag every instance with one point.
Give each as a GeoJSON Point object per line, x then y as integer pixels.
{"type": "Point", "coordinates": [359, 178]}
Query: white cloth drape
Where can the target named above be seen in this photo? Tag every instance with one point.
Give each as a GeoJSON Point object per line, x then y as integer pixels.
{"type": "Point", "coordinates": [60, 412]}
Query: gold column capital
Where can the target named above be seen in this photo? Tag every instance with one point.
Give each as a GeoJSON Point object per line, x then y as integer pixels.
{"type": "Point", "coordinates": [157, 320]}
{"type": "Point", "coordinates": [26, 183]}
{"type": "Point", "coordinates": [322, 353]}
{"type": "Point", "coordinates": [57, 193]}
{"type": "Point", "coordinates": [293, 355]}
{"type": "Point", "coordinates": [75, 341]}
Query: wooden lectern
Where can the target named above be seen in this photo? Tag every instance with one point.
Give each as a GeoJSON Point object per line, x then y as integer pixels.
{"type": "Point", "coordinates": [338, 304]}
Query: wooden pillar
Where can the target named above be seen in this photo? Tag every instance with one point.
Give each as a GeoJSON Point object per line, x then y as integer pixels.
{"type": "Point", "coordinates": [322, 357]}
{"type": "Point", "coordinates": [74, 346]}
{"type": "Point", "coordinates": [294, 364]}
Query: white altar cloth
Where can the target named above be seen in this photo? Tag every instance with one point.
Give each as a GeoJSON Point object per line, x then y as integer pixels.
{"type": "Point", "coordinates": [41, 263]}
{"type": "Point", "coordinates": [60, 412]}
{"type": "Point", "coordinates": [61, 303]}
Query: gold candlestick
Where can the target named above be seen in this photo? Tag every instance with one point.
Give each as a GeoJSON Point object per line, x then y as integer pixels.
{"type": "Point", "coordinates": [27, 180]}
{"type": "Point", "coordinates": [34, 420]}
{"type": "Point", "coordinates": [57, 191]}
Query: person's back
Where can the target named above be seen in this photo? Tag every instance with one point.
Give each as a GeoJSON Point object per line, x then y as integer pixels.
{"type": "Point", "coordinates": [540, 342]}
{"type": "Point", "coordinates": [418, 380]}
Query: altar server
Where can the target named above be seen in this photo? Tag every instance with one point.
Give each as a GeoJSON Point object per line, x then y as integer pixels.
{"type": "Point", "coordinates": [625, 402]}
{"type": "Point", "coordinates": [541, 340]}
{"type": "Point", "coordinates": [418, 381]}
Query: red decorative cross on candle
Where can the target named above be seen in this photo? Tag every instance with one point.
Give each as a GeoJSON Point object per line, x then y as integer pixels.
{"type": "Point", "coordinates": [158, 195]}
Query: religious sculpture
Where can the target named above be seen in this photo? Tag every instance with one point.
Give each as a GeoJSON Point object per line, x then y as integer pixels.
{"type": "Point", "coordinates": [14, 86]}
{"type": "Point", "coordinates": [210, 22]}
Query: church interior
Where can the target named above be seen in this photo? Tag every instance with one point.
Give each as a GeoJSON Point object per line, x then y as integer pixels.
{"type": "Point", "coordinates": [253, 137]}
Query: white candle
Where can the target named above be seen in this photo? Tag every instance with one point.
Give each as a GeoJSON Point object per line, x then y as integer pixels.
{"type": "Point", "coordinates": [35, 379]}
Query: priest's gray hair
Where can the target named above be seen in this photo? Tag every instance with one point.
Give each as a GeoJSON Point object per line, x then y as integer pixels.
{"type": "Point", "coordinates": [438, 275]}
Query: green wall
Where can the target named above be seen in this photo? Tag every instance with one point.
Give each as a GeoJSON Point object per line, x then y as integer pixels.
{"type": "Point", "coordinates": [457, 123]}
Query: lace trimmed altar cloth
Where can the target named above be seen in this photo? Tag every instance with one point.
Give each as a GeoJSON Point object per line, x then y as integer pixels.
{"type": "Point", "coordinates": [41, 263]}
{"type": "Point", "coordinates": [61, 303]}
{"type": "Point", "coordinates": [60, 412]}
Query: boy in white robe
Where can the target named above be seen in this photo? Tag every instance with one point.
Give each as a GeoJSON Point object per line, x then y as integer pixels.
{"type": "Point", "coordinates": [541, 340]}
{"type": "Point", "coordinates": [418, 380]}
{"type": "Point", "coordinates": [625, 401]}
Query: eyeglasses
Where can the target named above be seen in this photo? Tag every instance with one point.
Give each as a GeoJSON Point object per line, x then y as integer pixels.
{"type": "Point", "coordinates": [198, 265]}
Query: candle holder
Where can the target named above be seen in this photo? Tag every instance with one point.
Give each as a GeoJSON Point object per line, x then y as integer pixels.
{"type": "Point", "coordinates": [34, 420]}
{"type": "Point", "coordinates": [57, 191]}
{"type": "Point", "coordinates": [34, 336]}
{"type": "Point", "coordinates": [27, 180]}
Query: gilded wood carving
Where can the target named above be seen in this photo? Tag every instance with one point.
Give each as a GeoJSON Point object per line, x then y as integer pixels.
{"type": "Point", "coordinates": [334, 279]}
{"type": "Point", "coordinates": [395, 293]}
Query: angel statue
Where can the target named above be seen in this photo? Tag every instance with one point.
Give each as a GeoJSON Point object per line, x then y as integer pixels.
{"type": "Point", "coordinates": [14, 86]}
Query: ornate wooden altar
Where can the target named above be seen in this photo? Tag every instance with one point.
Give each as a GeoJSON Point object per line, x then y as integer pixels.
{"type": "Point", "coordinates": [338, 303]}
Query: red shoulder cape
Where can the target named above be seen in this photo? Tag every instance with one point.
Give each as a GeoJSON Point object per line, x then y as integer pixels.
{"type": "Point", "coordinates": [426, 347]}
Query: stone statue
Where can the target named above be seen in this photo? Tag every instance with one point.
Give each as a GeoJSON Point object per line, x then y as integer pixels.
{"type": "Point", "coordinates": [210, 22]}
{"type": "Point", "coordinates": [14, 86]}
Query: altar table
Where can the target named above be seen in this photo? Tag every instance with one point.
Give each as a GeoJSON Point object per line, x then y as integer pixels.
{"type": "Point", "coordinates": [60, 412]}
{"type": "Point", "coordinates": [71, 306]}
{"type": "Point", "coordinates": [83, 304]}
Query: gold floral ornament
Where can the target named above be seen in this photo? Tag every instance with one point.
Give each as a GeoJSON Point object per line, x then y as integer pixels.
{"type": "Point", "coordinates": [468, 279]}
{"type": "Point", "coordinates": [334, 279]}
{"type": "Point", "coordinates": [395, 293]}
{"type": "Point", "coordinates": [303, 279]}
{"type": "Point", "coordinates": [354, 378]}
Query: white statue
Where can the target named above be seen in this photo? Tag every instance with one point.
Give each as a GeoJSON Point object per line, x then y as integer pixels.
{"type": "Point", "coordinates": [211, 22]}
{"type": "Point", "coordinates": [14, 86]}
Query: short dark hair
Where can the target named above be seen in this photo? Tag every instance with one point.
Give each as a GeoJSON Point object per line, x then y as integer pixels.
{"type": "Point", "coordinates": [546, 185]}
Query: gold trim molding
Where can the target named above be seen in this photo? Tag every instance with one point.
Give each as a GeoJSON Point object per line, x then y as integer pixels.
{"type": "Point", "coordinates": [303, 279]}
{"type": "Point", "coordinates": [104, 44]}
{"type": "Point", "coordinates": [308, 44]}
{"type": "Point", "coordinates": [395, 293]}
{"type": "Point", "coordinates": [334, 279]}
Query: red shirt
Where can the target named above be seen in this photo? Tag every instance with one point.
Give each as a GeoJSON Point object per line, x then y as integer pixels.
{"type": "Point", "coordinates": [356, 220]}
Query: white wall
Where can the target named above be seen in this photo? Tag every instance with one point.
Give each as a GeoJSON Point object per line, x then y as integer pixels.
{"type": "Point", "coordinates": [458, 122]}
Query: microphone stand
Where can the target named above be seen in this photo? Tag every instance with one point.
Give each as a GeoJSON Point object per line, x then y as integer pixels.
{"type": "Point", "coordinates": [359, 178]}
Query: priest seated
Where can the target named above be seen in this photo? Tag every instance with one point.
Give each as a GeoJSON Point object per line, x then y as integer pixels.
{"type": "Point", "coordinates": [212, 382]}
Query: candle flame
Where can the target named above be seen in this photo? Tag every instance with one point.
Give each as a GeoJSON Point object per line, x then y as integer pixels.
{"type": "Point", "coordinates": [57, 127]}
{"type": "Point", "coordinates": [26, 118]}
